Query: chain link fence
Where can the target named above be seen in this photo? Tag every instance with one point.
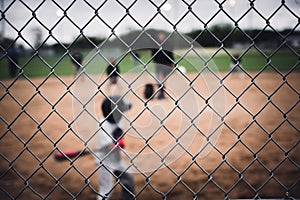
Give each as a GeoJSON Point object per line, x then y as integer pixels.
{"type": "Point", "coordinates": [220, 121]}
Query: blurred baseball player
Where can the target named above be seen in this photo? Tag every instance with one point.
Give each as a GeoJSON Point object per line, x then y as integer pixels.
{"type": "Point", "coordinates": [164, 62]}
{"type": "Point", "coordinates": [76, 61]}
{"type": "Point", "coordinates": [112, 71]}
{"type": "Point", "coordinates": [13, 61]}
{"type": "Point", "coordinates": [236, 66]}
{"type": "Point", "coordinates": [110, 142]}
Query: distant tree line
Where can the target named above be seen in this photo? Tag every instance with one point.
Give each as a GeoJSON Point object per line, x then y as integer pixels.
{"type": "Point", "coordinates": [83, 42]}
{"type": "Point", "coordinates": [228, 36]}
{"type": "Point", "coordinates": [216, 35]}
{"type": "Point", "coordinates": [80, 43]}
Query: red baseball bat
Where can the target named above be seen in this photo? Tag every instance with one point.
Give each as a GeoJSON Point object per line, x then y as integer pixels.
{"type": "Point", "coordinates": [66, 155]}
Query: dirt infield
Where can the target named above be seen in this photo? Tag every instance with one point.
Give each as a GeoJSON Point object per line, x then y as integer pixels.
{"type": "Point", "coordinates": [258, 148]}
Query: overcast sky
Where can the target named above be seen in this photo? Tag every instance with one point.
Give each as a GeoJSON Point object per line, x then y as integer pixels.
{"type": "Point", "coordinates": [81, 15]}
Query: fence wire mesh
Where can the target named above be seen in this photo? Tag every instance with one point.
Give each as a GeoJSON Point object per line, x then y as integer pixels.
{"type": "Point", "coordinates": [221, 119]}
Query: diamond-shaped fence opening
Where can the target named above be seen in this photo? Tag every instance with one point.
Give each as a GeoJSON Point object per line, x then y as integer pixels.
{"type": "Point", "coordinates": [149, 99]}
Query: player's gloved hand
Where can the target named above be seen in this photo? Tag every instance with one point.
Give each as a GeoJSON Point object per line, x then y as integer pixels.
{"type": "Point", "coordinates": [117, 134]}
{"type": "Point", "coordinates": [119, 143]}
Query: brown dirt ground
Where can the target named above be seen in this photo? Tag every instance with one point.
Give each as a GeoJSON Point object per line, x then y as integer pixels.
{"type": "Point", "coordinates": [246, 158]}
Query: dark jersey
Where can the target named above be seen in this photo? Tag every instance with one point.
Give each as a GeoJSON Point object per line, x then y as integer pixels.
{"type": "Point", "coordinates": [112, 71]}
{"type": "Point", "coordinates": [163, 57]}
{"type": "Point", "coordinates": [77, 58]}
{"type": "Point", "coordinates": [163, 60]}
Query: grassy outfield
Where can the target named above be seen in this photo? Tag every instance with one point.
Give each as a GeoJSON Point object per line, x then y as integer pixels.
{"type": "Point", "coordinates": [61, 65]}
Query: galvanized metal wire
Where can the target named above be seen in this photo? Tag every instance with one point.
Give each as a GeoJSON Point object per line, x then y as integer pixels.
{"type": "Point", "coordinates": [6, 92]}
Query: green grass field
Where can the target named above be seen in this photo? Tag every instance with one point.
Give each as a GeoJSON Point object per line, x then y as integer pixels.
{"type": "Point", "coordinates": [61, 65]}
